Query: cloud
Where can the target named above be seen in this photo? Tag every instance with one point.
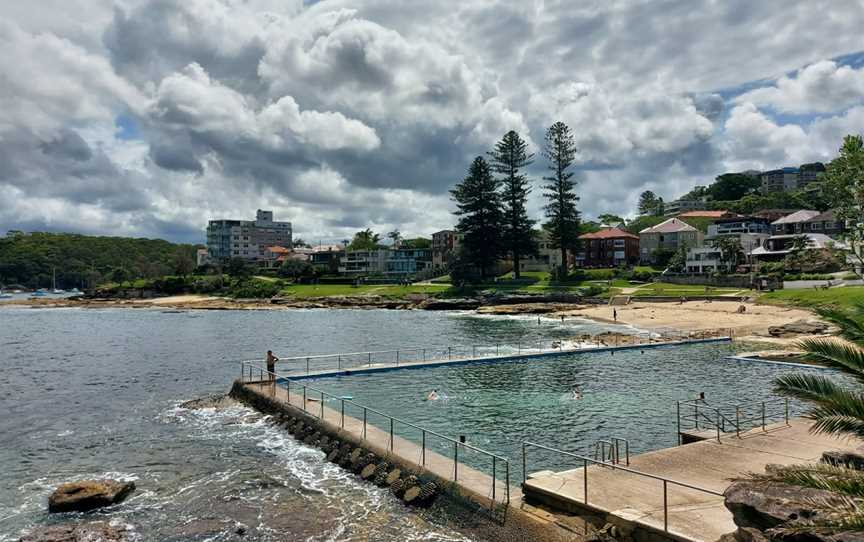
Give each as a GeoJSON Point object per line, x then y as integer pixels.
{"type": "Point", "coordinates": [341, 115]}
{"type": "Point", "coordinates": [823, 87]}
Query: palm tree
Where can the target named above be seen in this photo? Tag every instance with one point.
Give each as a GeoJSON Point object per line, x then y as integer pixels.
{"type": "Point", "coordinates": [837, 409]}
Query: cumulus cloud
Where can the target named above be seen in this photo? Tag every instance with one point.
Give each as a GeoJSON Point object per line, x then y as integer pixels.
{"type": "Point", "coordinates": [823, 87]}
{"type": "Point", "coordinates": [341, 115]}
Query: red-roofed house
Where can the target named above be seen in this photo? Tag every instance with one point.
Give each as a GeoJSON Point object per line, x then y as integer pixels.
{"type": "Point", "coordinates": [609, 247]}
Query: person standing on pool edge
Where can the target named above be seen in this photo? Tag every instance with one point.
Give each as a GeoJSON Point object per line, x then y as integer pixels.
{"type": "Point", "coordinates": [615, 315]}
{"type": "Point", "coordinates": [271, 365]}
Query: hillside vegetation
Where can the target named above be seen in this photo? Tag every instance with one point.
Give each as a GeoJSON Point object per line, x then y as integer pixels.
{"type": "Point", "coordinates": [82, 261]}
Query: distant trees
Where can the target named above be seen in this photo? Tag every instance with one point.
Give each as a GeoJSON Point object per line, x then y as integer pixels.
{"type": "Point", "coordinates": [480, 215]}
{"type": "Point", "coordinates": [559, 191]}
{"type": "Point", "coordinates": [365, 240]}
{"type": "Point", "coordinates": [844, 187]}
{"type": "Point", "coordinates": [731, 251]}
{"type": "Point", "coordinates": [650, 204]}
{"type": "Point", "coordinates": [610, 219]}
{"type": "Point", "coordinates": [295, 268]}
{"type": "Point", "coordinates": [509, 157]}
{"type": "Point", "coordinates": [733, 186]}
{"type": "Point", "coordinates": [396, 237]}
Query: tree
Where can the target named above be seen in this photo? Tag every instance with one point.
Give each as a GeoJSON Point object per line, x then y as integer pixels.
{"type": "Point", "coordinates": [731, 251]}
{"type": "Point", "coordinates": [238, 268]}
{"type": "Point", "coordinates": [733, 186]}
{"type": "Point", "coordinates": [678, 261]}
{"type": "Point", "coordinates": [396, 237]}
{"type": "Point", "coordinates": [300, 243]}
{"type": "Point", "coordinates": [183, 264]}
{"type": "Point", "coordinates": [478, 206]}
{"type": "Point", "coordinates": [563, 224]}
{"type": "Point", "coordinates": [295, 268]}
{"type": "Point", "coordinates": [507, 159]}
{"type": "Point", "coordinates": [365, 240]}
{"type": "Point", "coordinates": [650, 204]}
{"type": "Point", "coordinates": [844, 184]}
{"type": "Point", "coordinates": [610, 219]}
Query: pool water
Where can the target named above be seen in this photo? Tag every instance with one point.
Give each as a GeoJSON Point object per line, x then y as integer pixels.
{"type": "Point", "coordinates": [627, 394]}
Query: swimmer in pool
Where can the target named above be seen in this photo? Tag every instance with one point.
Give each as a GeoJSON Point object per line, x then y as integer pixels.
{"type": "Point", "coordinates": [577, 393]}
{"type": "Point", "coordinates": [433, 395]}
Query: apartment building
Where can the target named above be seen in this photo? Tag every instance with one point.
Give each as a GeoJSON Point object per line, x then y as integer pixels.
{"type": "Point", "coordinates": [445, 244]}
{"type": "Point", "coordinates": [247, 239]}
{"type": "Point", "coordinates": [609, 247]}
{"type": "Point", "coordinates": [795, 223]}
{"type": "Point", "coordinates": [671, 234]}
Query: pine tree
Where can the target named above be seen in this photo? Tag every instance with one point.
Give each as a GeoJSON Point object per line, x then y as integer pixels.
{"type": "Point", "coordinates": [479, 211]}
{"type": "Point", "coordinates": [507, 159]}
{"type": "Point", "coordinates": [563, 224]}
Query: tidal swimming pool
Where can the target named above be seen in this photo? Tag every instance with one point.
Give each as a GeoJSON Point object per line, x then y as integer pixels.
{"type": "Point", "coordinates": [629, 394]}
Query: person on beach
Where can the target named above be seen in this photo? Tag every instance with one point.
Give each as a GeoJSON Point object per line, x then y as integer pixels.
{"type": "Point", "coordinates": [614, 315]}
{"type": "Point", "coordinates": [433, 395]}
{"type": "Point", "coordinates": [271, 365]}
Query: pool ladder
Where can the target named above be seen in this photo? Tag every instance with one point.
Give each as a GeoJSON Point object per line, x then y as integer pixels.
{"type": "Point", "coordinates": [609, 451]}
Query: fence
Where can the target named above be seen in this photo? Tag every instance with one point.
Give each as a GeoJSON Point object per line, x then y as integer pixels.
{"type": "Point", "coordinates": [249, 371]}
{"type": "Point", "coordinates": [586, 461]}
{"type": "Point", "coordinates": [698, 415]}
{"type": "Point", "coordinates": [421, 354]}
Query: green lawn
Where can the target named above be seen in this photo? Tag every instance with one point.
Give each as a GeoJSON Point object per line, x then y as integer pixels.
{"type": "Point", "coordinates": [839, 297]}
{"type": "Point", "coordinates": [677, 290]}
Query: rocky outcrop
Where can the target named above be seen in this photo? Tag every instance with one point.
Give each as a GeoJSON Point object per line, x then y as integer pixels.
{"type": "Point", "coordinates": [88, 495]}
{"type": "Point", "coordinates": [81, 532]}
{"type": "Point", "coordinates": [798, 327]}
{"type": "Point", "coordinates": [456, 304]}
{"type": "Point", "coordinates": [773, 511]}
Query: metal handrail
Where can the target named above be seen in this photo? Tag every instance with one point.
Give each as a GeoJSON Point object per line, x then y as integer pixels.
{"type": "Point", "coordinates": [585, 462]}
{"type": "Point", "coordinates": [424, 432]}
{"type": "Point", "coordinates": [452, 352]}
{"type": "Point", "coordinates": [720, 420]}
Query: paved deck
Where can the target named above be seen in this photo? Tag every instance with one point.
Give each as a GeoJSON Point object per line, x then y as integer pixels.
{"type": "Point", "coordinates": [377, 432]}
{"type": "Point", "coordinates": [692, 515]}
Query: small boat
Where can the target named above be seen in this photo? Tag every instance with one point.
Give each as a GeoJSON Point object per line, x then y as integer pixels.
{"type": "Point", "coordinates": [5, 296]}
{"type": "Point", "coordinates": [38, 293]}
{"type": "Point", "coordinates": [17, 292]}
{"type": "Point", "coordinates": [74, 291]}
{"type": "Point", "coordinates": [58, 291]}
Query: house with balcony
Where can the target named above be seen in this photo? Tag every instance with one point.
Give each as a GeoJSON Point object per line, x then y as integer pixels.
{"type": "Point", "coordinates": [363, 262]}
{"type": "Point", "coordinates": [608, 247]}
{"type": "Point", "coordinates": [445, 245]}
{"type": "Point", "coordinates": [548, 257]}
{"type": "Point", "coordinates": [669, 235]}
{"type": "Point", "coordinates": [827, 223]}
{"type": "Point", "coordinates": [778, 247]}
{"type": "Point", "coordinates": [706, 260]}
{"type": "Point", "coordinates": [795, 223]}
{"type": "Point", "coordinates": [406, 262]}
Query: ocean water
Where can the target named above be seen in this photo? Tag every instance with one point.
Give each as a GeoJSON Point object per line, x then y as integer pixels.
{"type": "Point", "coordinates": [97, 392]}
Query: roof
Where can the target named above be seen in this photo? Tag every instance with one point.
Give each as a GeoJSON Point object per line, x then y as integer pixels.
{"type": "Point", "coordinates": [828, 216]}
{"type": "Point", "coordinates": [816, 241]}
{"type": "Point", "coordinates": [609, 233]}
{"type": "Point", "coordinates": [705, 214]}
{"type": "Point", "coordinates": [798, 216]}
{"type": "Point", "coordinates": [278, 250]}
{"type": "Point", "coordinates": [672, 225]}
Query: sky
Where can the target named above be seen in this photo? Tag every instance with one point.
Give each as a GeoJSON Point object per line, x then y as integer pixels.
{"type": "Point", "coordinates": [147, 118]}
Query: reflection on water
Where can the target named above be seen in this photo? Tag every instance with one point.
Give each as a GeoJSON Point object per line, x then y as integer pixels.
{"type": "Point", "coordinates": [94, 393]}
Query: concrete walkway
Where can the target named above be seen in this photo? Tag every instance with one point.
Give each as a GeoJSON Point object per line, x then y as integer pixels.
{"type": "Point", "coordinates": [692, 514]}
{"type": "Point", "coordinates": [376, 430]}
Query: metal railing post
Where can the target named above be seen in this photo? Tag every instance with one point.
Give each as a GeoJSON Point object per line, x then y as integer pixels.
{"type": "Point", "coordinates": [497, 349]}
{"type": "Point", "coordinates": [449, 352]}
{"type": "Point", "coordinates": [474, 351]}
{"type": "Point", "coordinates": [455, 460]}
{"type": "Point", "coordinates": [424, 354]}
{"type": "Point", "coordinates": [678, 417]}
{"type": "Point", "coordinates": [307, 366]}
{"type": "Point", "coordinates": [322, 405]}
{"type": "Point", "coordinates": [423, 449]}
{"type": "Point", "coordinates": [737, 423]}
{"type": "Point", "coordinates": [288, 388]}
{"type": "Point", "coordinates": [342, 423]}
{"type": "Point", "coordinates": [339, 363]}
{"type": "Point", "coordinates": [493, 478]}
{"type": "Point", "coordinates": [364, 423]}
{"type": "Point", "coordinates": [397, 357]}
{"type": "Point", "coordinates": [763, 416]}
{"type": "Point", "coordinates": [524, 473]}
{"type": "Point", "coordinates": [370, 359]}
{"type": "Point", "coordinates": [507, 481]}
{"type": "Point", "coordinates": [787, 411]}
{"type": "Point", "coordinates": [391, 434]}
{"type": "Point", "coordinates": [304, 397]}
{"type": "Point", "coordinates": [696, 413]}
{"type": "Point", "coordinates": [718, 426]}
{"type": "Point", "coordinates": [518, 347]}
{"type": "Point", "coordinates": [665, 508]}
{"type": "Point", "coordinates": [585, 479]}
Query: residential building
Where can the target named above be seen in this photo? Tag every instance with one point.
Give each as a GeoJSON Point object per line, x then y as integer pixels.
{"type": "Point", "coordinates": [779, 180]}
{"type": "Point", "coordinates": [247, 239]}
{"type": "Point", "coordinates": [707, 214]}
{"type": "Point", "coordinates": [201, 257]}
{"type": "Point", "coordinates": [809, 174]}
{"type": "Point", "coordinates": [548, 257]}
{"type": "Point", "coordinates": [671, 234]}
{"type": "Point", "coordinates": [774, 214]}
{"type": "Point", "coordinates": [705, 260]}
{"type": "Point", "coordinates": [609, 247]}
{"type": "Point", "coordinates": [795, 223]}
{"type": "Point", "coordinates": [828, 223]}
{"type": "Point", "coordinates": [778, 246]}
{"type": "Point", "coordinates": [327, 258]}
{"type": "Point", "coordinates": [445, 244]}
{"type": "Point", "coordinates": [725, 227]}
{"type": "Point", "coordinates": [678, 206]}
{"type": "Point", "coordinates": [363, 262]}
{"type": "Point", "coordinates": [407, 261]}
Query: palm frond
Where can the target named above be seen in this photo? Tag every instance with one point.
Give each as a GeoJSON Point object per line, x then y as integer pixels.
{"type": "Point", "coordinates": [840, 480]}
{"type": "Point", "coordinates": [850, 323]}
{"type": "Point", "coordinates": [836, 353]}
{"type": "Point", "coordinates": [806, 386]}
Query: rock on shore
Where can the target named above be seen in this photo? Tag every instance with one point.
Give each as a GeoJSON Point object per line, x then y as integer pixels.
{"type": "Point", "coordinates": [80, 532]}
{"type": "Point", "coordinates": [88, 495]}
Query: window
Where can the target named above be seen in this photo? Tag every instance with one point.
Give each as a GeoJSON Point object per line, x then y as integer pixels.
{"type": "Point", "coordinates": [619, 243]}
